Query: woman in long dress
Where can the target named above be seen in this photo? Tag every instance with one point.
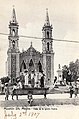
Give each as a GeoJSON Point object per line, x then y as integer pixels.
{"type": "Point", "coordinates": [36, 80]}
{"type": "Point", "coordinates": [26, 78]}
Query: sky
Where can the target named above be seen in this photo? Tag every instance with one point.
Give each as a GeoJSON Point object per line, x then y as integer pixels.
{"type": "Point", "coordinates": [31, 14]}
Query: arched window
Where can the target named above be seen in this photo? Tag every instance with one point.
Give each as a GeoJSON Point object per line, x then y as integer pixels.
{"type": "Point", "coordinates": [31, 63]}
{"type": "Point", "coordinates": [31, 66]}
{"type": "Point", "coordinates": [13, 32]}
{"type": "Point", "coordinates": [39, 67]}
{"type": "Point", "coordinates": [48, 46]}
{"type": "Point", "coordinates": [23, 66]}
{"type": "Point", "coordinates": [47, 34]}
{"type": "Point", "coordinates": [13, 43]}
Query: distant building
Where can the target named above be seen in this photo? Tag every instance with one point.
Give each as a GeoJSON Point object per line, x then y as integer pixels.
{"type": "Point", "coordinates": [30, 59]}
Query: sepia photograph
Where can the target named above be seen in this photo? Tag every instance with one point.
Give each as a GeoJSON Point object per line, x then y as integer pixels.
{"type": "Point", "coordinates": [39, 59]}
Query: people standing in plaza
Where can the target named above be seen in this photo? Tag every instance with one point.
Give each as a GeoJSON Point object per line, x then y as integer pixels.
{"type": "Point", "coordinates": [55, 79]}
{"type": "Point", "coordinates": [11, 90]}
{"type": "Point", "coordinates": [42, 80]}
{"type": "Point", "coordinates": [29, 84]}
{"type": "Point", "coordinates": [2, 87]}
{"type": "Point", "coordinates": [14, 91]}
{"type": "Point", "coordinates": [60, 79]}
{"type": "Point", "coordinates": [30, 97]}
{"type": "Point", "coordinates": [26, 77]}
{"type": "Point", "coordinates": [19, 84]}
{"type": "Point", "coordinates": [75, 90]}
{"type": "Point", "coordinates": [71, 90]}
{"type": "Point", "coordinates": [39, 79]}
{"type": "Point", "coordinates": [36, 78]}
{"type": "Point", "coordinates": [45, 94]}
{"type": "Point", "coordinates": [32, 79]}
{"type": "Point", "coordinates": [22, 79]}
{"type": "Point", "coordinates": [6, 91]}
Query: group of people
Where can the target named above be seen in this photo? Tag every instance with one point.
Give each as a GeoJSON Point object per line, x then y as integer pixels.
{"type": "Point", "coordinates": [60, 80]}
{"type": "Point", "coordinates": [33, 79]}
{"type": "Point", "coordinates": [10, 90]}
{"type": "Point", "coordinates": [73, 90]}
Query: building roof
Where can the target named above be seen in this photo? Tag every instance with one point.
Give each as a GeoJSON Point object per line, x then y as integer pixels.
{"type": "Point", "coordinates": [31, 51]}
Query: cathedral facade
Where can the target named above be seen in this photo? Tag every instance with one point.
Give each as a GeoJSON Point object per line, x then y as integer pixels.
{"type": "Point", "coordinates": [31, 60]}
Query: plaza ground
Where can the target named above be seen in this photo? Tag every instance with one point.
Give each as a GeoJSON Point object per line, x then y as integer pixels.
{"type": "Point", "coordinates": [56, 106]}
{"type": "Point", "coordinates": [38, 100]}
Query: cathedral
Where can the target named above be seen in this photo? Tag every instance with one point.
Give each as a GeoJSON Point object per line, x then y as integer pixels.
{"type": "Point", "coordinates": [31, 59]}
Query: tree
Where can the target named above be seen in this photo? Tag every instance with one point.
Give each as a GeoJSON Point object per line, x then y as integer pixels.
{"type": "Point", "coordinates": [71, 72]}
{"type": "Point", "coordinates": [65, 71]}
{"type": "Point", "coordinates": [77, 67]}
{"type": "Point", "coordinates": [5, 79]}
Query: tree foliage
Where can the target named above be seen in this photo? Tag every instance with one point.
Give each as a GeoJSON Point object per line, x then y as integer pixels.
{"type": "Point", "coordinates": [71, 72]}
{"type": "Point", "coordinates": [65, 71]}
{"type": "Point", "coordinates": [5, 79]}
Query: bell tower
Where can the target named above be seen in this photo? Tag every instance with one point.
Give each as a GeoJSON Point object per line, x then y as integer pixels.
{"type": "Point", "coordinates": [47, 50]}
{"type": "Point", "coordinates": [13, 50]}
